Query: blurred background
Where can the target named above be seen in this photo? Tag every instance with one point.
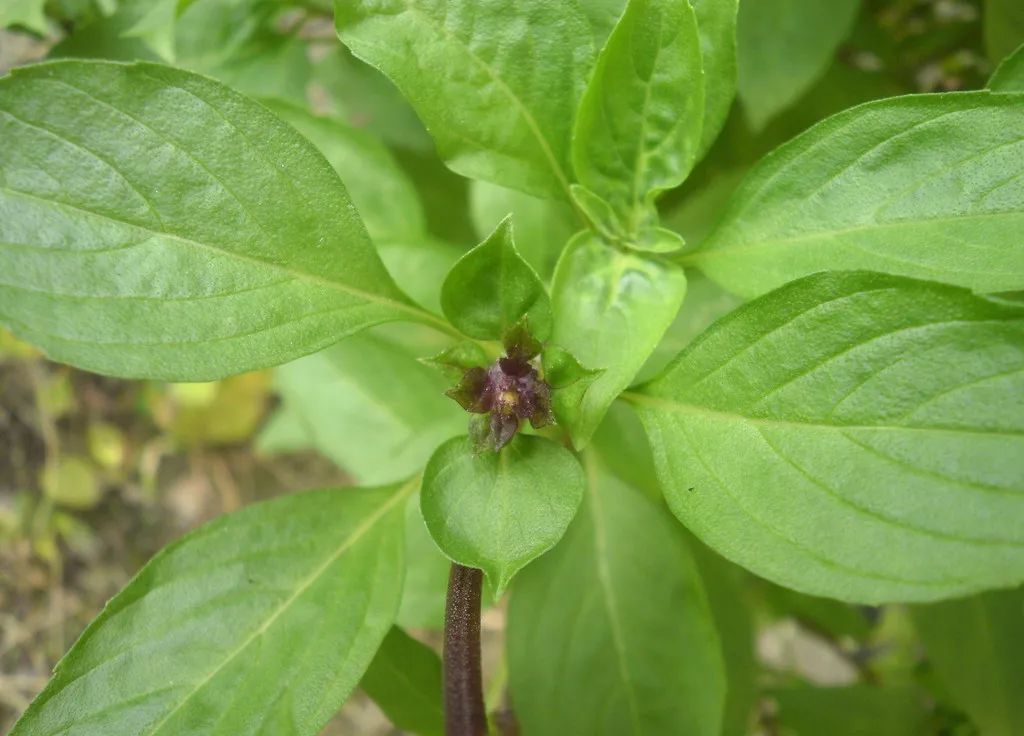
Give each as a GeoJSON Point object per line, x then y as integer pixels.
{"type": "Point", "coordinates": [97, 474]}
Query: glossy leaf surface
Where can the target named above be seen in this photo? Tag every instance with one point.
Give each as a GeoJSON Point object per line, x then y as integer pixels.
{"type": "Point", "coordinates": [262, 621]}
{"type": "Point", "coordinates": [639, 123]}
{"type": "Point", "coordinates": [815, 430]}
{"type": "Point", "coordinates": [927, 186]}
{"type": "Point", "coordinates": [154, 223]}
{"type": "Point", "coordinates": [491, 288]}
{"type": "Point", "coordinates": [496, 83]}
{"type": "Point", "coordinates": [615, 621]}
{"type": "Point", "coordinates": [497, 511]}
{"type": "Point", "coordinates": [611, 309]}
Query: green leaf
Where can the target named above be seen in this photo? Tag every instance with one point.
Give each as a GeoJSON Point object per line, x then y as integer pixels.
{"type": "Point", "coordinates": [371, 407]}
{"type": "Point", "coordinates": [404, 679]}
{"type": "Point", "coordinates": [426, 575]}
{"type": "Point", "coordinates": [27, 13]}
{"type": "Point", "coordinates": [543, 226]}
{"type": "Point", "coordinates": [1009, 77]}
{"type": "Point", "coordinates": [845, 414]}
{"type": "Point", "coordinates": [783, 47]}
{"type": "Point", "coordinates": [561, 369]}
{"type": "Point", "coordinates": [380, 189]}
{"type": "Point", "coordinates": [611, 309]}
{"type": "Point", "coordinates": [492, 288]}
{"type": "Point", "coordinates": [856, 710]}
{"type": "Point", "coordinates": [496, 83]}
{"type": "Point", "coordinates": [602, 16]}
{"type": "Point", "coordinates": [499, 510]}
{"type": "Point", "coordinates": [976, 647]}
{"type": "Point", "coordinates": [926, 186]}
{"type": "Point", "coordinates": [419, 266]}
{"type": "Point", "coordinates": [155, 224]}
{"type": "Point", "coordinates": [1004, 27]}
{"type": "Point", "coordinates": [731, 612]}
{"type": "Point", "coordinates": [262, 621]}
{"type": "Point", "coordinates": [716, 21]}
{"type": "Point", "coordinates": [156, 28]}
{"type": "Point", "coordinates": [639, 124]}
{"type": "Point", "coordinates": [610, 632]}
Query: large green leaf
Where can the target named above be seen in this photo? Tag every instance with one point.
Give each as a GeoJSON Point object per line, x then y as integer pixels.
{"type": "Point", "coordinates": [783, 47]}
{"type": "Point", "coordinates": [639, 124]}
{"type": "Point", "coordinates": [611, 309]}
{"type": "Point", "coordinates": [381, 191]}
{"type": "Point", "coordinates": [371, 407]}
{"type": "Point", "coordinates": [262, 621]}
{"type": "Point", "coordinates": [816, 431]}
{"type": "Point", "coordinates": [716, 21]}
{"type": "Point", "coordinates": [610, 632]}
{"type": "Point", "coordinates": [1009, 77]}
{"type": "Point", "coordinates": [499, 510]}
{"type": "Point", "coordinates": [976, 645]}
{"type": "Point", "coordinates": [497, 83]}
{"type": "Point", "coordinates": [927, 186]}
{"type": "Point", "coordinates": [404, 679]}
{"type": "Point", "coordinates": [491, 288]}
{"type": "Point", "coordinates": [154, 223]}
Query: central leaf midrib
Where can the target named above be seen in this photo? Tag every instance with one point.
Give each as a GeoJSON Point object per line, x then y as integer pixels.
{"type": "Point", "coordinates": [662, 402]}
{"type": "Point", "coordinates": [713, 250]}
{"type": "Point", "coordinates": [295, 274]}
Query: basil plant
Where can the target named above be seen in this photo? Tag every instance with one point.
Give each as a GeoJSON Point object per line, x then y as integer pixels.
{"type": "Point", "coordinates": [536, 415]}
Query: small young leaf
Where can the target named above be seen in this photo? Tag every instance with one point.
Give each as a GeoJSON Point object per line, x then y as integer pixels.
{"type": "Point", "coordinates": [926, 186]}
{"type": "Point", "coordinates": [371, 407]}
{"type": "Point", "coordinates": [611, 310]}
{"type": "Point", "coordinates": [561, 369]}
{"type": "Point", "coordinates": [457, 359]}
{"type": "Point", "coordinates": [404, 679]}
{"type": "Point", "coordinates": [496, 82]}
{"type": "Point", "coordinates": [491, 288]}
{"type": "Point", "coordinates": [976, 648]}
{"type": "Point", "coordinates": [784, 46]}
{"type": "Point", "coordinates": [499, 510]}
{"type": "Point", "coordinates": [156, 224]}
{"type": "Point", "coordinates": [543, 226]}
{"type": "Point", "coordinates": [1009, 77]}
{"type": "Point", "coordinates": [638, 128]}
{"type": "Point", "coordinates": [843, 415]}
{"type": "Point", "coordinates": [614, 620]}
{"type": "Point", "coordinates": [261, 621]}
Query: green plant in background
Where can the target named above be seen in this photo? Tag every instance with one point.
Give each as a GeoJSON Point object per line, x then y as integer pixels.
{"type": "Point", "coordinates": [853, 429]}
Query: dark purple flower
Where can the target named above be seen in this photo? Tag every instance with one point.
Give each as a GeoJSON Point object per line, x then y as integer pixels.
{"type": "Point", "coordinates": [509, 391]}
